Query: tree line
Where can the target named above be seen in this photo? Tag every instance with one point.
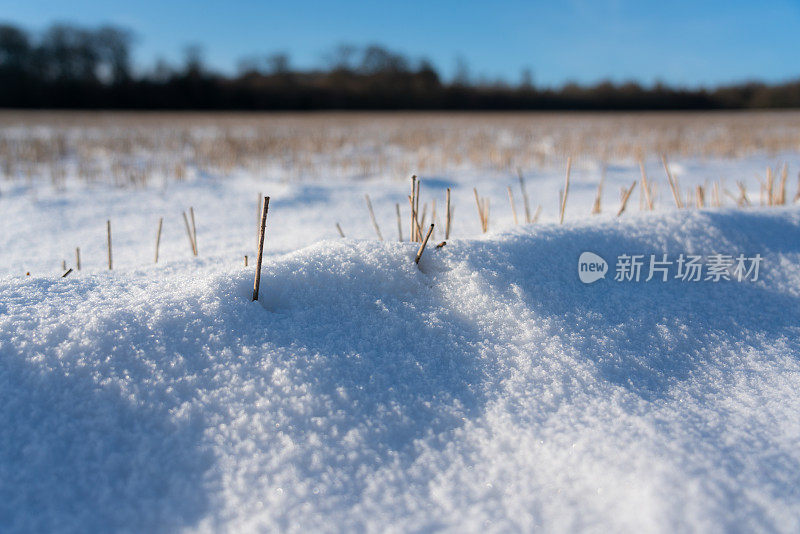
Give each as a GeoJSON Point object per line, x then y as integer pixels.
{"type": "Point", "coordinates": [69, 66]}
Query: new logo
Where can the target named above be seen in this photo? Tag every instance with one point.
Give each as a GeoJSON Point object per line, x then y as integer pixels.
{"type": "Point", "coordinates": [591, 267]}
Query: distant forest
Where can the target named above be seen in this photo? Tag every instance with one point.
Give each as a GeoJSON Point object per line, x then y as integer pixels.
{"type": "Point", "coordinates": [90, 68]}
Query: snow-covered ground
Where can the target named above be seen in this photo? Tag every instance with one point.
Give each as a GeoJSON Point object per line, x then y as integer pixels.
{"type": "Point", "coordinates": [487, 389]}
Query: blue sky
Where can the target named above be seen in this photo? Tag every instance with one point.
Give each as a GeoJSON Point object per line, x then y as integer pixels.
{"type": "Point", "coordinates": [680, 42]}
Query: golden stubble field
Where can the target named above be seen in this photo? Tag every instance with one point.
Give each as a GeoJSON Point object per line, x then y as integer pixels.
{"type": "Point", "coordinates": [133, 148]}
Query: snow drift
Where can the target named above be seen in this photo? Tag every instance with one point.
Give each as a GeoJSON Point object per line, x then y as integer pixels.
{"type": "Point", "coordinates": [487, 390]}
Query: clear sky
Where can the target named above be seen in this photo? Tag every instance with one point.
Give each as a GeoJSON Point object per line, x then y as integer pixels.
{"type": "Point", "coordinates": [680, 42]}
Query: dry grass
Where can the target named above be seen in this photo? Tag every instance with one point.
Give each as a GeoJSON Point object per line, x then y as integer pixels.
{"type": "Point", "coordinates": [137, 149]}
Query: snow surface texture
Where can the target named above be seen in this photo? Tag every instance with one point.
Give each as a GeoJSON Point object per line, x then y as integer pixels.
{"type": "Point", "coordinates": [486, 390]}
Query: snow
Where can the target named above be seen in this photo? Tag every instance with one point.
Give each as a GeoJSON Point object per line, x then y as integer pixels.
{"type": "Point", "coordinates": [488, 389]}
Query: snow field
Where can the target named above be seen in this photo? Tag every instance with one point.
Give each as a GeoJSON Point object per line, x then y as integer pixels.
{"type": "Point", "coordinates": [487, 390]}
